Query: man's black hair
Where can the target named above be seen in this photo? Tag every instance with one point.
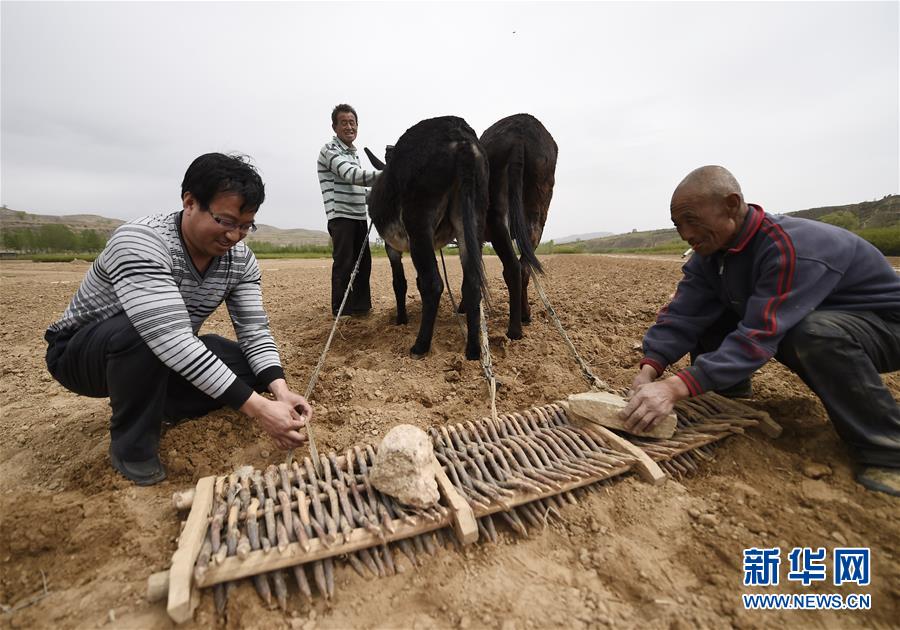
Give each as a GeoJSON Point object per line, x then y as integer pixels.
{"type": "Point", "coordinates": [216, 173]}
{"type": "Point", "coordinates": [343, 108]}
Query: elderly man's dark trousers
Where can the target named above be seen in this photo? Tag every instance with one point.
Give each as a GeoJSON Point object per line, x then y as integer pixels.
{"type": "Point", "coordinates": [840, 356]}
{"type": "Point", "coordinates": [109, 358]}
{"type": "Point", "coordinates": [348, 236]}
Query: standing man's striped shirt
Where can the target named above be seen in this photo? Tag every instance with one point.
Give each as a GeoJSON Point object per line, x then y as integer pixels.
{"type": "Point", "coordinates": [342, 180]}
{"type": "Point", "coordinates": [145, 271]}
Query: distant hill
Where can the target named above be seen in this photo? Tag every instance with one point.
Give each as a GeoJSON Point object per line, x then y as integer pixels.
{"type": "Point", "coordinates": [295, 237]}
{"type": "Point", "coordinates": [871, 214]}
{"type": "Point", "coordinates": [13, 219]}
{"type": "Point", "coordinates": [18, 220]}
{"type": "Point", "coordinates": [581, 237]}
{"type": "Point", "coordinates": [632, 240]}
{"type": "Point", "coordinates": [884, 213]}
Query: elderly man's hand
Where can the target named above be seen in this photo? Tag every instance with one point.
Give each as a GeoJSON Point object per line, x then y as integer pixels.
{"type": "Point", "coordinates": [651, 402]}
{"type": "Point", "coordinates": [646, 375]}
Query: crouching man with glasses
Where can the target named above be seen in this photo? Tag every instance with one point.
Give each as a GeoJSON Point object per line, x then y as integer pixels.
{"type": "Point", "coordinates": [130, 333]}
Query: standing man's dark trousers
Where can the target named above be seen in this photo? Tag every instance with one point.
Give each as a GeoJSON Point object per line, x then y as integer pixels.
{"type": "Point", "coordinates": [347, 237]}
{"type": "Point", "coordinates": [839, 355]}
{"type": "Point", "coordinates": [109, 358]}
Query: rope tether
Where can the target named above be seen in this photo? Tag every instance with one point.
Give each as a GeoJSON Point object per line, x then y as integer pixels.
{"type": "Point", "coordinates": [487, 366]}
{"type": "Point", "coordinates": [313, 451]}
{"type": "Point", "coordinates": [589, 376]}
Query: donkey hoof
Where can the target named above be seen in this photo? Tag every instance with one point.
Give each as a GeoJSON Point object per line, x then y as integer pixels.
{"type": "Point", "coordinates": [416, 353]}
{"type": "Point", "coordinates": [402, 320]}
{"type": "Point", "coordinates": [514, 334]}
{"type": "Point", "coordinates": [473, 355]}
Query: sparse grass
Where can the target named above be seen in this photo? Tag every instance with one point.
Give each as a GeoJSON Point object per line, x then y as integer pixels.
{"type": "Point", "coordinates": [552, 248]}
{"type": "Point", "coordinates": [885, 239]}
{"type": "Point", "coordinates": [377, 252]}
{"type": "Point", "coordinates": [69, 257]}
{"type": "Point", "coordinates": [281, 255]}
{"type": "Point", "coordinates": [670, 247]}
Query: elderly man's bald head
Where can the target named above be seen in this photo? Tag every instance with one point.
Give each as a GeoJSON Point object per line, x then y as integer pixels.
{"type": "Point", "coordinates": [708, 209]}
{"type": "Point", "coordinates": [708, 182]}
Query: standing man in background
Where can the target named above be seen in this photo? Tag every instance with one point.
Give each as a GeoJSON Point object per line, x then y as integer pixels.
{"type": "Point", "coordinates": [343, 183]}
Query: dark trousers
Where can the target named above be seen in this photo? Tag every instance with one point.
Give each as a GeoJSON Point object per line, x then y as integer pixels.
{"type": "Point", "coordinates": [348, 236]}
{"type": "Point", "coordinates": [839, 355]}
{"type": "Point", "coordinates": [109, 358]}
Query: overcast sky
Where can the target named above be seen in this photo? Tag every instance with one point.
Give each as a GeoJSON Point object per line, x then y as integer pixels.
{"type": "Point", "coordinates": [104, 105]}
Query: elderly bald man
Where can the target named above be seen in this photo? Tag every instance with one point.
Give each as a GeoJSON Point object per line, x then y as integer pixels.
{"type": "Point", "coordinates": [819, 299]}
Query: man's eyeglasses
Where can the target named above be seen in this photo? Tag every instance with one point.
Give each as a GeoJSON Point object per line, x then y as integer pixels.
{"type": "Point", "coordinates": [229, 225]}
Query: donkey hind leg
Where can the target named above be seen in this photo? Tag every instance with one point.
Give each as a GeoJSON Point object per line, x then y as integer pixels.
{"type": "Point", "coordinates": [526, 308]}
{"type": "Point", "coordinates": [512, 275]}
{"type": "Point", "coordinates": [399, 278]}
{"type": "Point", "coordinates": [430, 288]}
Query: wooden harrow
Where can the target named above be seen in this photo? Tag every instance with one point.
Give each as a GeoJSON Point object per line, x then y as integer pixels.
{"type": "Point", "coordinates": [519, 470]}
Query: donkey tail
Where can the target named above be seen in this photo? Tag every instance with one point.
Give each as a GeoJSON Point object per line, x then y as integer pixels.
{"type": "Point", "coordinates": [473, 204]}
{"type": "Point", "coordinates": [519, 229]}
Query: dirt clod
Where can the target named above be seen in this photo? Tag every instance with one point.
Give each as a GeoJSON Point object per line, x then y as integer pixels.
{"type": "Point", "coordinates": [814, 470]}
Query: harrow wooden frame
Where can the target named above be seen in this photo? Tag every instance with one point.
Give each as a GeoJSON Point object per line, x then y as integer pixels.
{"type": "Point", "coordinates": [504, 467]}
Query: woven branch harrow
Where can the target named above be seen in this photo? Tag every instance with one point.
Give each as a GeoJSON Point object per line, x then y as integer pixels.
{"type": "Point", "coordinates": [520, 469]}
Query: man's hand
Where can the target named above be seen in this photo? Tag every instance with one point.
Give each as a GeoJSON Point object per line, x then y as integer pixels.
{"type": "Point", "coordinates": [277, 418]}
{"type": "Point", "coordinates": [646, 375]}
{"type": "Point", "coordinates": [651, 402]}
{"type": "Point", "coordinates": [284, 394]}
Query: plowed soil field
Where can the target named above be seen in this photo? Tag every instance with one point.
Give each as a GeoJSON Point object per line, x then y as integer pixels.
{"type": "Point", "coordinates": [629, 555]}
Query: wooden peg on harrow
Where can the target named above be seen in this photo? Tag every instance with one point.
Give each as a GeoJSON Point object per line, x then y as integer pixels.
{"type": "Point", "coordinates": [464, 524]}
{"type": "Point", "coordinates": [647, 469]}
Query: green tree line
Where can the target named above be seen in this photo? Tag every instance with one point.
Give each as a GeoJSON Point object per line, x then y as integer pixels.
{"type": "Point", "coordinates": [52, 237]}
{"type": "Point", "coordinates": [264, 247]}
{"type": "Point", "coordinates": [886, 239]}
{"type": "Point", "coordinates": [57, 238]}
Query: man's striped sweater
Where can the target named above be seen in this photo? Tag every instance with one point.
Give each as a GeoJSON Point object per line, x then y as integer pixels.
{"type": "Point", "coordinates": [342, 180]}
{"type": "Point", "coordinates": [145, 271]}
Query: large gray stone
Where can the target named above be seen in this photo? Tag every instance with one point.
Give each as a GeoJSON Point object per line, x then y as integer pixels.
{"type": "Point", "coordinates": [404, 467]}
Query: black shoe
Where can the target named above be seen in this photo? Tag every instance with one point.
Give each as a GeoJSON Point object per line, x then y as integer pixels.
{"type": "Point", "coordinates": [144, 473]}
{"type": "Point", "coordinates": [741, 389]}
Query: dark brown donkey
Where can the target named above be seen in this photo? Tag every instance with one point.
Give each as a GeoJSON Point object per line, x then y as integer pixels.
{"type": "Point", "coordinates": [434, 189]}
{"type": "Point", "coordinates": [522, 156]}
